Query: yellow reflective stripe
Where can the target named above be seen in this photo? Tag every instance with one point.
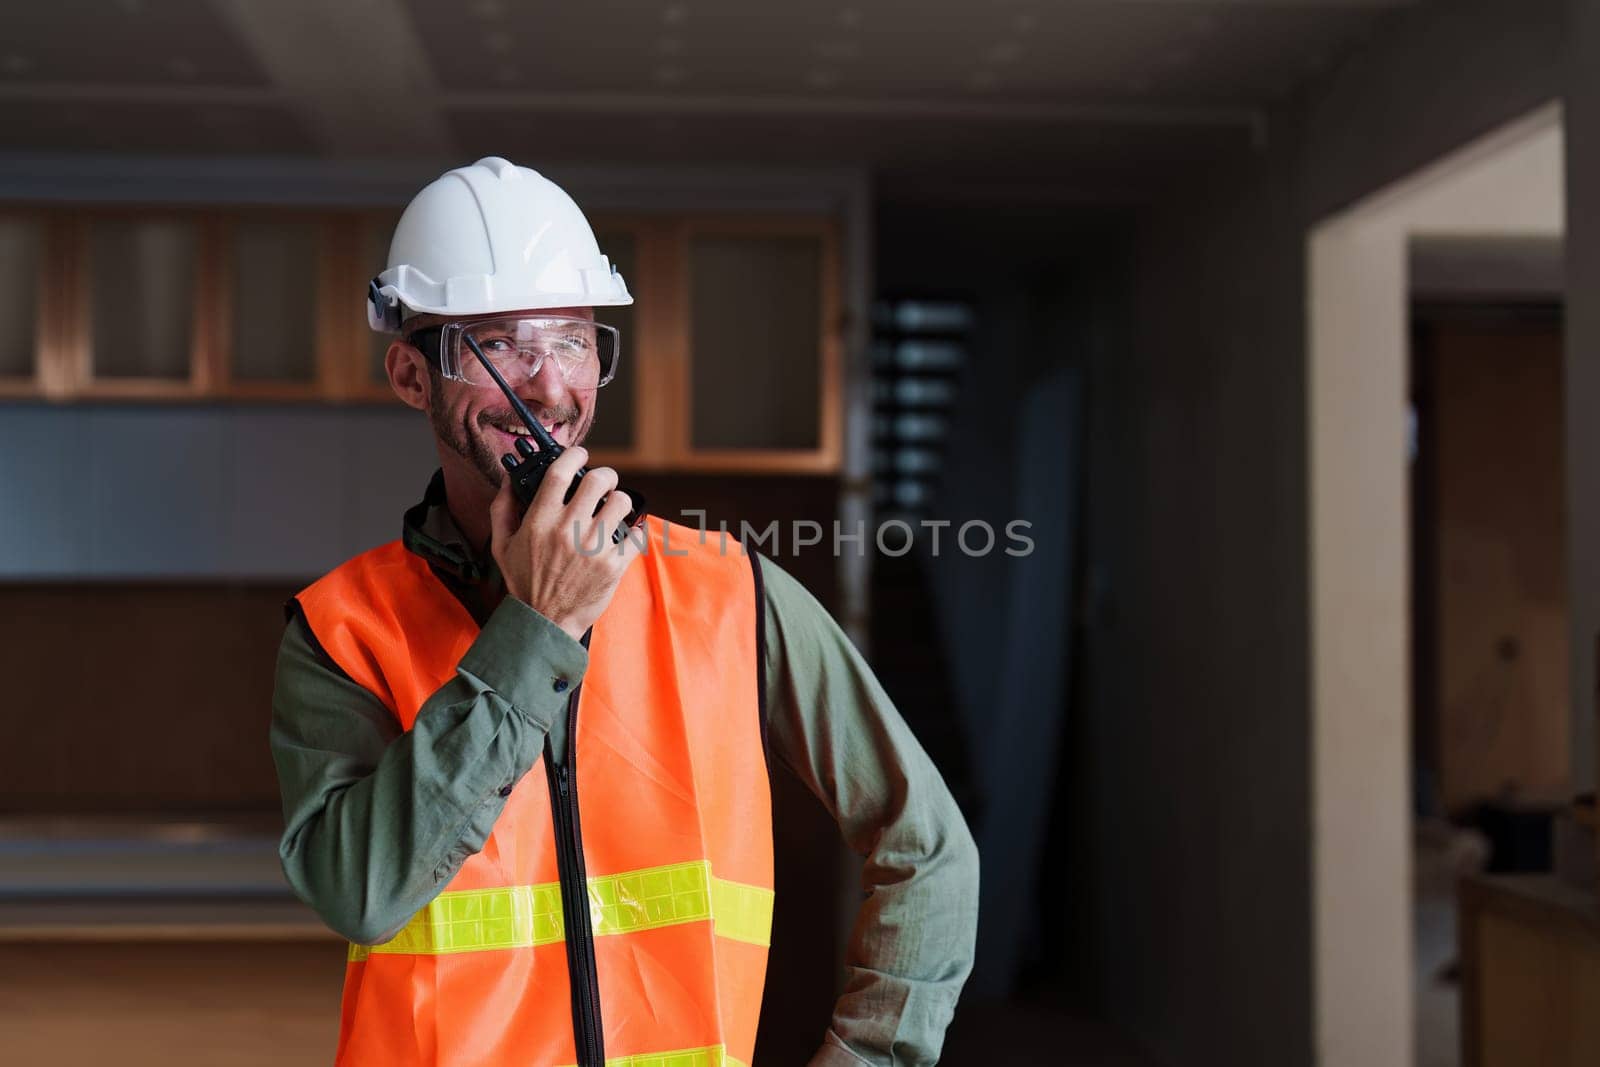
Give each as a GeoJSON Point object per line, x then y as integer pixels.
{"type": "Point", "coordinates": [679, 893]}
{"type": "Point", "coordinates": [744, 912]}
{"type": "Point", "coordinates": [711, 1056]}
{"type": "Point", "coordinates": [473, 920]}
{"type": "Point", "coordinates": [523, 916]}
{"type": "Point", "coordinates": [645, 899]}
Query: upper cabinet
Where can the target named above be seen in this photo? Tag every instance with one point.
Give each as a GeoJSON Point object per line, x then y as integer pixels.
{"type": "Point", "coordinates": [730, 353]}
{"type": "Point", "coordinates": [734, 362]}
{"type": "Point", "coordinates": [763, 344]}
{"type": "Point", "coordinates": [368, 379]}
{"type": "Point", "coordinates": [141, 289]}
{"type": "Point", "coordinates": [270, 306]}
{"type": "Point", "coordinates": [615, 427]}
{"type": "Point", "coordinates": [23, 296]}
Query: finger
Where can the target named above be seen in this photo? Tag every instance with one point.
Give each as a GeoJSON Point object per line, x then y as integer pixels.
{"type": "Point", "coordinates": [586, 500]}
{"type": "Point", "coordinates": [632, 541]}
{"type": "Point", "coordinates": [548, 499]}
{"type": "Point", "coordinates": [613, 517]}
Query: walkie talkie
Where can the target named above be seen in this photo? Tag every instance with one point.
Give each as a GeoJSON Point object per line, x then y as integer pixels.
{"type": "Point", "coordinates": [527, 472]}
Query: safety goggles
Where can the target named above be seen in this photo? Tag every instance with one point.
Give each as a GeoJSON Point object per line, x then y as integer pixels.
{"type": "Point", "coordinates": [584, 351]}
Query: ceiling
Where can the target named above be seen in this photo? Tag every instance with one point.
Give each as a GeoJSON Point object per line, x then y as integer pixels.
{"type": "Point", "coordinates": [1092, 92]}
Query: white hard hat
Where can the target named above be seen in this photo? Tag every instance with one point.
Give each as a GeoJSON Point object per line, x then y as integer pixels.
{"type": "Point", "coordinates": [491, 237]}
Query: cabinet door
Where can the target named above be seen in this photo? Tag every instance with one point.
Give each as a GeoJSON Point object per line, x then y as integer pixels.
{"type": "Point", "coordinates": [272, 304]}
{"type": "Point", "coordinates": [376, 231]}
{"type": "Point", "coordinates": [614, 425]}
{"type": "Point", "coordinates": [22, 265]}
{"type": "Point", "coordinates": [143, 306]}
{"type": "Point", "coordinates": [763, 358]}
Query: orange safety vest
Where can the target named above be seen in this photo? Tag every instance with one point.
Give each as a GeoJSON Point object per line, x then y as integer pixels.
{"type": "Point", "coordinates": [663, 951]}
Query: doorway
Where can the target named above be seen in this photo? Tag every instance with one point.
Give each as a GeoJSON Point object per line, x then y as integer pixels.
{"type": "Point", "coordinates": [1509, 184]}
{"type": "Point", "coordinates": [1489, 650]}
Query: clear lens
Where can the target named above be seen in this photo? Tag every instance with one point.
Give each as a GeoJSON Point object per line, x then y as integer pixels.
{"type": "Point", "coordinates": [584, 352]}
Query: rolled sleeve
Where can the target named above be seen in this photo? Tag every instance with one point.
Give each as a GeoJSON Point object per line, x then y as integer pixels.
{"type": "Point", "coordinates": [378, 818]}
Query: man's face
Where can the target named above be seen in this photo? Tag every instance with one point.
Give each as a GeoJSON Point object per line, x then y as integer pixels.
{"type": "Point", "coordinates": [477, 424]}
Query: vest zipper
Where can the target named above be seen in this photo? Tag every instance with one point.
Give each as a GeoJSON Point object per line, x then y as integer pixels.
{"type": "Point", "coordinates": [586, 1030]}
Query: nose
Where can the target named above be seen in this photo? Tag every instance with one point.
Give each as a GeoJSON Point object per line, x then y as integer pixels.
{"type": "Point", "coordinates": [546, 387]}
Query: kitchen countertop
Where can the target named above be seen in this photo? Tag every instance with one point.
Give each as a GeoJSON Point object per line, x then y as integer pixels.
{"type": "Point", "coordinates": [133, 879]}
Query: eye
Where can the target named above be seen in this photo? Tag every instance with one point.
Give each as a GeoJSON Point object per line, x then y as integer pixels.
{"type": "Point", "coordinates": [498, 345]}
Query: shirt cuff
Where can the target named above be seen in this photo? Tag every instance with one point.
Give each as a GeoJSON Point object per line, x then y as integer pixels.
{"type": "Point", "coordinates": [532, 663]}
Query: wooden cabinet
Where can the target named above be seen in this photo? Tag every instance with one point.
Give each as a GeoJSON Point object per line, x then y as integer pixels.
{"type": "Point", "coordinates": [730, 356]}
{"type": "Point", "coordinates": [735, 351]}
{"type": "Point", "coordinates": [365, 254]}
{"type": "Point", "coordinates": [269, 318]}
{"type": "Point", "coordinates": [1530, 963]}
{"type": "Point", "coordinates": [197, 305]}
{"type": "Point", "coordinates": [140, 304]}
{"type": "Point", "coordinates": [763, 344]}
{"type": "Point", "coordinates": [144, 313]}
{"type": "Point", "coordinates": [23, 300]}
{"type": "Point", "coordinates": [730, 352]}
{"type": "Point", "coordinates": [616, 427]}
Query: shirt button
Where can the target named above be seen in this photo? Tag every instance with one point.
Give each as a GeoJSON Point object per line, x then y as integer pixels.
{"type": "Point", "coordinates": [560, 685]}
{"type": "Point", "coordinates": [505, 790]}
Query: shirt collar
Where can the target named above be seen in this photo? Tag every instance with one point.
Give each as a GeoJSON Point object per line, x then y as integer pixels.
{"type": "Point", "coordinates": [431, 532]}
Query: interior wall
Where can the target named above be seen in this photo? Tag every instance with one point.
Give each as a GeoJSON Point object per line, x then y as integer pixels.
{"type": "Point", "coordinates": [213, 491]}
{"type": "Point", "coordinates": [1199, 658]}
{"type": "Point", "coordinates": [1196, 643]}
{"type": "Point", "coordinates": [1043, 291]}
{"type": "Point", "coordinates": [1582, 381]}
{"type": "Point", "coordinates": [1425, 82]}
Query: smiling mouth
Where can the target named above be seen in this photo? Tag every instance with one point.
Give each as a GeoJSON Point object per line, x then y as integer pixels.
{"type": "Point", "coordinates": [517, 430]}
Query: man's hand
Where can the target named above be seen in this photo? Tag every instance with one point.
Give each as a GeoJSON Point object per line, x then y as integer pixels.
{"type": "Point", "coordinates": [558, 558]}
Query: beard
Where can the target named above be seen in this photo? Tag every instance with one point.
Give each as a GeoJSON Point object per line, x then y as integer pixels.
{"type": "Point", "coordinates": [470, 439]}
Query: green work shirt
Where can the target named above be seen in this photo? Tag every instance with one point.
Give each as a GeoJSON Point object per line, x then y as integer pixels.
{"type": "Point", "coordinates": [379, 819]}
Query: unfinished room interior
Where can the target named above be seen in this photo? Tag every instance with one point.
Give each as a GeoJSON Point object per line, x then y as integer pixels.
{"type": "Point", "coordinates": [1205, 391]}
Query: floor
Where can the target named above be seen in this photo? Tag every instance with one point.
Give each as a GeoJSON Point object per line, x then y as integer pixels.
{"type": "Point", "coordinates": [1438, 995]}
{"type": "Point", "coordinates": [245, 1004]}
{"type": "Point", "coordinates": [273, 1004]}
{"type": "Point", "coordinates": [1442, 854]}
{"type": "Point", "coordinates": [1040, 1033]}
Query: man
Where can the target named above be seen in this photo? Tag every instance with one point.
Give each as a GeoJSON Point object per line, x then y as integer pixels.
{"type": "Point", "coordinates": [617, 906]}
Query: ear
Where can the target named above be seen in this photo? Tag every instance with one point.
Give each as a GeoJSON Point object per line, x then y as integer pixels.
{"type": "Point", "coordinates": [408, 374]}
